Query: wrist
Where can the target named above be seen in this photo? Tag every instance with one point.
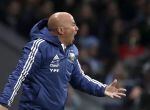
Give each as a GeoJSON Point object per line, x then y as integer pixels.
{"type": "Point", "coordinates": [105, 89]}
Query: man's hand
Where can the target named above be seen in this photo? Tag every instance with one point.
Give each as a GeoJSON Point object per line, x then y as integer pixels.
{"type": "Point", "coordinates": [114, 91]}
{"type": "Point", "coordinates": [3, 108]}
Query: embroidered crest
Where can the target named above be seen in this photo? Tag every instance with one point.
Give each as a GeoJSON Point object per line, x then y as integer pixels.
{"type": "Point", "coordinates": [71, 56]}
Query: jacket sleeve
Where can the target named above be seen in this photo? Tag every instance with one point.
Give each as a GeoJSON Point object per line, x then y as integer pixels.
{"type": "Point", "coordinates": [84, 83]}
{"type": "Point", "coordinates": [29, 60]}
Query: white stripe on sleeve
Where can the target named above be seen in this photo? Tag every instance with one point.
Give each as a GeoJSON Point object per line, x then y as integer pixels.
{"type": "Point", "coordinates": [90, 79]}
{"type": "Point", "coordinates": [26, 68]}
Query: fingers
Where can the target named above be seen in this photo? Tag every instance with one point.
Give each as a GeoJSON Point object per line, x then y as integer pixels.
{"type": "Point", "coordinates": [115, 91]}
{"type": "Point", "coordinates": [115, 94]}
{"type": "Point", "coordinates": [118, 95]}
{"type": "Point", "coordinates": [122, 90]}
{"type": "Point", "coordinates": [121, 94]}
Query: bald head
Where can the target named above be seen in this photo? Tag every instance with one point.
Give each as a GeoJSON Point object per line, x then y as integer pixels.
{"type": "Point", "coordinates": [58, 19]}
{"type": "Point", "coordinates": [63, 26]}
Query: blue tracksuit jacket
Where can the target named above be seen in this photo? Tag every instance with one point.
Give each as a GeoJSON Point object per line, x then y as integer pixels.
{"type": "Point", "coordinates": [44, 71]}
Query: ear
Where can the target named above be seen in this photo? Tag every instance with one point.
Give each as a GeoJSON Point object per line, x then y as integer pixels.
{"type": "Point", "coordinates": [60, 30]}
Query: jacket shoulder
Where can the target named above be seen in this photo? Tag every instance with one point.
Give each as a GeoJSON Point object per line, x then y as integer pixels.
{"type": "Point", "coordinates": [75, 49]}
{"type": "Point", "coordinates": [38, 41]}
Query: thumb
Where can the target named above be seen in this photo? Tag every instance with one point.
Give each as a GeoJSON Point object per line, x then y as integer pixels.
{"type": "Point", "coordinates": [114, 83]}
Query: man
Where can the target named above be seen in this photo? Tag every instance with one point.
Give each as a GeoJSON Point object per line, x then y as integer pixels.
{"type": "Point", "coordinates": [48, 64]}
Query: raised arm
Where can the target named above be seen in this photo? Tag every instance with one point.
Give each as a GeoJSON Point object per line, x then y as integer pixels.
{"type": "Point", "coordinates": [84, 83]}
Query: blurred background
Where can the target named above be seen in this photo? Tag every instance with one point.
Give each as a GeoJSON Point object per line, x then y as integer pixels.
{"type": "Point", "coordinates": [113, 41]}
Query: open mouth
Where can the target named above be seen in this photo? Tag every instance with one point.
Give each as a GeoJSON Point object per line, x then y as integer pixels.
{"type": "Point", "coordinates": [75, 33]}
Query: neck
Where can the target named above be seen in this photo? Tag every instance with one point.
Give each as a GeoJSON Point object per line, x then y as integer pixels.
{"type": "Point", "coordinates": [62, 41]}
{"type": "Point", "coordinates": [60, 38]}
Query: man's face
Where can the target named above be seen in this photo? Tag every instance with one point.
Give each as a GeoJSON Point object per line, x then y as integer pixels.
{"type": "Point", "coordinates": [70, 30]}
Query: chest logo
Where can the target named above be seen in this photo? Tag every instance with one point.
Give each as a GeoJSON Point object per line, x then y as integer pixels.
{"type": "Point", "coordinates": [71, 57]}
{"type": "Point", "coordinates": [54, 65]}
